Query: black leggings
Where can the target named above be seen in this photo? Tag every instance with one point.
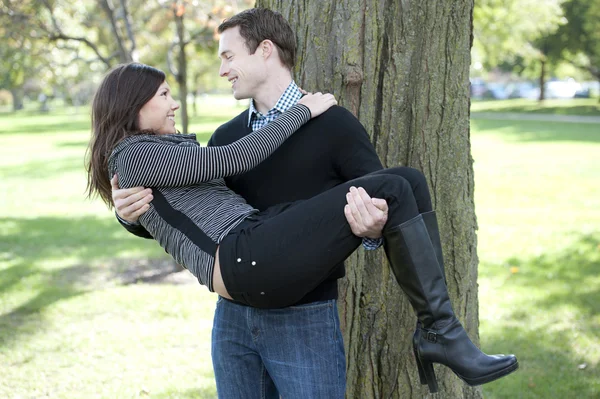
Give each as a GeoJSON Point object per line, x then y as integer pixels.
{"type": "Point", "coordinates": [274, 258]}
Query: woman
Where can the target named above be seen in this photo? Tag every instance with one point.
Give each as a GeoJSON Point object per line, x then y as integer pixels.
{"type": "Point", "coordinates": [238, 251]}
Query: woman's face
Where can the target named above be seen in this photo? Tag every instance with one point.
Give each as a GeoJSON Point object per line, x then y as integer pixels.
{"type": "Point", "coordinates": [158, 114]}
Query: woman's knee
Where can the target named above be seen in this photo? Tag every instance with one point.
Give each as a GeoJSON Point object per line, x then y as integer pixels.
{"type": "Point", "coordinates": [389, 185]}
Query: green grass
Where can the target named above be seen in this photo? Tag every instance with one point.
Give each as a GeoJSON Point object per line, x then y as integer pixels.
{"type": "Point", "coordinates": [538, 206]}
{"type": "Point", "coordinates": [75, 324]}
{"type": "Point", "coordinates": [579, 106]}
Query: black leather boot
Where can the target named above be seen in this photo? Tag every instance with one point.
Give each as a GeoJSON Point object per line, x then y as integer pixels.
{"type": "Point", "coordinates": [431, 223]}
{"type": "Point", "coordinates": [441, 339]}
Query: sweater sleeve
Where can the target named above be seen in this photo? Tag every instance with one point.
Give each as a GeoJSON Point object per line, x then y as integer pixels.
{"type": "Point", "coordinates": [355, 155]}
{"type": "Point", "coordinates": [152, 164]}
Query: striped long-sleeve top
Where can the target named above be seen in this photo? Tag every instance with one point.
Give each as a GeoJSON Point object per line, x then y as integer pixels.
{"type": "Point", "coordinates": [192, 209]}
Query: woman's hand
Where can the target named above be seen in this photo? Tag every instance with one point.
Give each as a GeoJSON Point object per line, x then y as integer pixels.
{"type": "Point", "coordinates": [318, 103]}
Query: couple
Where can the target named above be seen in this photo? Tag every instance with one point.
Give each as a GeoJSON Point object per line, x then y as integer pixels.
{"type": "Point", "coordinates": [275, 259]}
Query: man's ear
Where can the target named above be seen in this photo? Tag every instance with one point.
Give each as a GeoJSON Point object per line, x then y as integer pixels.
{"type": "Point", "coordinates": [267, 48]}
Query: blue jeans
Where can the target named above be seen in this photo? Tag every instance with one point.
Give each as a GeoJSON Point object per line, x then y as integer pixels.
{"type": "Point", "coordinates": [296, 352]}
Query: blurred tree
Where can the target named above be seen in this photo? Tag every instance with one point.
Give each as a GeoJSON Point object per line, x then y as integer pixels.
{"type": "Point", "coordinates": [517, 32]}
{"type": "Point", "coordinates": [195, 23]}
{"type": "Point", "coordinates": [503, 29]}
{"type": "Point", "coordinates": [581, 34]}
{"type": "Point", "coordinates": [101, 26]}
{"type": "Point", "coordinates": [402, 67]}
{"type": "Point", "coordinates": [21, 56]}
{"type": "Point", "coordinates": [75, 41]}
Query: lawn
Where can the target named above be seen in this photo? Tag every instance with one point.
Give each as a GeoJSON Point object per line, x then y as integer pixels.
{"type": "Point", "coordinates": [87, 310]}
{"type": "Point", "coordinates": [538, 206]}
{"type": "Point", "coordinates": [580, 106]}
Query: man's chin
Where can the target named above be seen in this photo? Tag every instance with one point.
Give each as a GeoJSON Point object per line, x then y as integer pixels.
{"type": "Point", "coordinates": [240, 96]}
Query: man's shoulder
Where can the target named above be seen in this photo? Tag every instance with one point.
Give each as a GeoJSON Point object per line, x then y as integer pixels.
{"type": "Point", "coordinates": [336, 112]}
{"type": "Point", "coordinates": [339, 122]}
{"type": "Point", "coordinates": [230, 130]}
{"type": "Point", "coordinates": [235, 122]}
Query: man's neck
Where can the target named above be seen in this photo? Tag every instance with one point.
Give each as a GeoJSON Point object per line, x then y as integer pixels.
{"type": "Point", "coordinates": [272, 91]}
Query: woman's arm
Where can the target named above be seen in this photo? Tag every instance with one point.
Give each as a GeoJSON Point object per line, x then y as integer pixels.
{"type": "Point", "coordinates": [152, 164]}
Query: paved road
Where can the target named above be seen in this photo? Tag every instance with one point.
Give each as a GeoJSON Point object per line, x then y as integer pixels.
{"type": "Point", "coordinates": [514, 116]}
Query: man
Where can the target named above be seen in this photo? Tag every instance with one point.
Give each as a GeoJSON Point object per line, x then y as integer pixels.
{"type": "Point", "coordinates": [295, 352]}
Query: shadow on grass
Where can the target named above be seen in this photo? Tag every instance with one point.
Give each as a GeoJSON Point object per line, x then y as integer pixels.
{"type": "Point", "coordinates": [57, 124]}
{"type": "Point", "coordinates": [580, 110]}
{"type": "Point", "coordinates": [27, 318]}
{"type": "Point", "coordinates": [200, 393]}
{"type": "Point", "coordinates": [72, 144]}
{"type": "Point", "coordinates": [33, 250]}
{"type": "Point", "coordinates": [88, 238]}
{"type": "Point", "coordinates": [580, 107]}
{"type": "Point", "coordinates": [567, 276]}
{"type": "Point", "coordinates": [554, 326]}
{"type": "Point", "coordinates": [44, 169]}
{"type": "Point", "coordinates": [534, 131]}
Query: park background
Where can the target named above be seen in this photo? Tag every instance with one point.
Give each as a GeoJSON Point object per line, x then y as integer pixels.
{"type": "Point", "coordinates": [87, 310]}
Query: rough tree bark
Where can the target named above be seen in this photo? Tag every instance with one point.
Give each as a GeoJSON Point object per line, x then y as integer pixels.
{"type": "Point", "coordinates": [402, 67]}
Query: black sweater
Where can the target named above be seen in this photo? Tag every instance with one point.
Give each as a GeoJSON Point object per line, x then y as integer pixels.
{"type": "Point", "coordinates": [330, 149]}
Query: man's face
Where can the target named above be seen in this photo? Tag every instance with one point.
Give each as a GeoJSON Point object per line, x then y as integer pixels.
{"type": "Point", "coordinates": [246, 72]}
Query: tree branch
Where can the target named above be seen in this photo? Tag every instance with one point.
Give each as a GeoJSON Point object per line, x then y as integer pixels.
{"type": "Point", "coordinates": [62, 36]}
{"type": "Point", "coordinates": [127, 19]}
{"type": "Point", "coordinates": [59, 35]}
{"type": "Point", "coordinates": [125, 56]}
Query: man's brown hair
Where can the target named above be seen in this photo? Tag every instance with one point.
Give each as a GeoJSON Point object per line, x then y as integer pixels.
{"type": "Point", "coordinates": [258, 24]}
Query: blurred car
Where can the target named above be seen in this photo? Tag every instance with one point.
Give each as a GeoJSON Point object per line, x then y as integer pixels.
{"type": "Point", "coordinates": [524, 90]}
{"type": "Point", "coordinates": [478, 88]}
{"type": "Point", "coordinates": [561, 89]}
{"type": "Point", "coordinates": [588, 90]}
{"type": "Point", "coordinates": [497, 91]}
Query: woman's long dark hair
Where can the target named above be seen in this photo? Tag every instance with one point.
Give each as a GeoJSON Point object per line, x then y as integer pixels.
{"type": "Point", "coordinates": [115, 110]}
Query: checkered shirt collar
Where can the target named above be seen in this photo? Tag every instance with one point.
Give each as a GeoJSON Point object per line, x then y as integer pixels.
{"type": "Point", "coordinates": [290, 97]}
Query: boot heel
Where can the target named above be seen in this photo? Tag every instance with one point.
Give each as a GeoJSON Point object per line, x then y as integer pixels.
{"type": "Point", "coordinates": [430, 376]}
{"type": "Point", "coordinates": [422, 378]}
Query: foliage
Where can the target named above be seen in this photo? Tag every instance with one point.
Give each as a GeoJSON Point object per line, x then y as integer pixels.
{"type": "Point", "coordinates": [504, 30]}
{"type": "Point", "coordinates": [65, 47]}
{"type": "Point", "coordinates": [581, 34]}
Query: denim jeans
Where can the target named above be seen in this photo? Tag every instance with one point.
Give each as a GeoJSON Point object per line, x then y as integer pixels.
{"type": "Point", "coordinates": [296, 352]}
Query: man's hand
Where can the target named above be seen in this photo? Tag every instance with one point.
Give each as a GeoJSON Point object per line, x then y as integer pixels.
{"type": "Point", "coordinates": [366, 215]}
{"type": "Point", "coordinates": [130, 203]}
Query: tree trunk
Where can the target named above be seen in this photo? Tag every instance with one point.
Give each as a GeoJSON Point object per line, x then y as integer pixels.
{"type": "Point", "coordinates": [17, 95]}
{"type": "Point", "coordinates": [128, 26]}
{"type": "Point", "coordinates": [402, 67]}
{"type": "Point", "coordinates": [181, 71]}
{"type": "Point", "coordinates": [124, 54]}
{"type": "Point", "coordinates": [543, 80]}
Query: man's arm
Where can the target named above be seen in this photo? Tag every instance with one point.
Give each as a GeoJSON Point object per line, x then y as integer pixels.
{"type": "Point", "coordinates": [129, 205]}
{"type": "Point", "coordinates": [355, 158]}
